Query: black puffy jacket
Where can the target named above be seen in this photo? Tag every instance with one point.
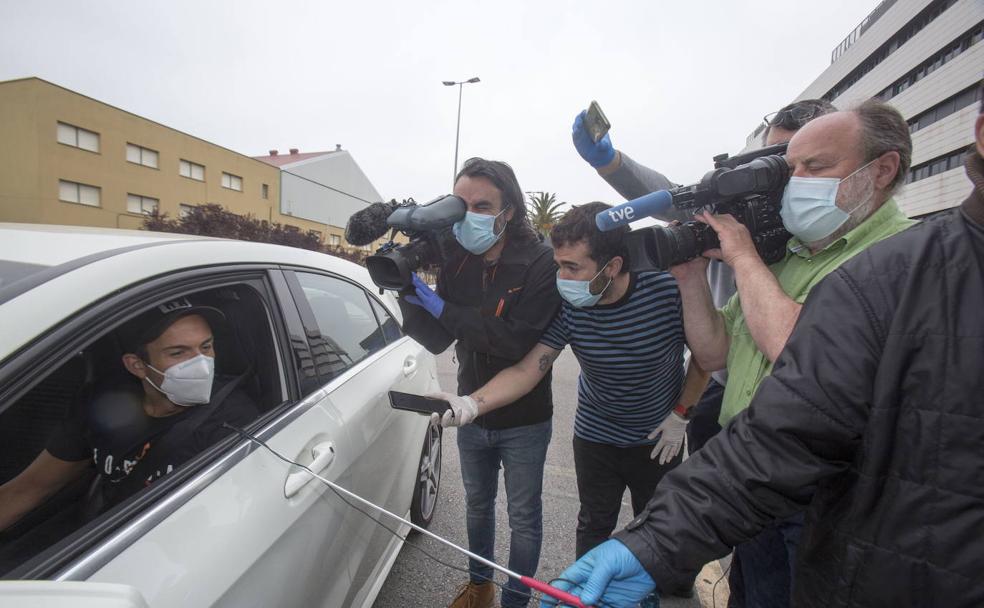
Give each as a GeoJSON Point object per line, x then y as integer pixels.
{"type": "Point", "coordinates": [872, 420]}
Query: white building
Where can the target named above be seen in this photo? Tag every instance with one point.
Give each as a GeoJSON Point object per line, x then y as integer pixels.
{"type": "Point", "coordinates": [325, 187]}
{"type": "Point", "coordinates": [924, 57]}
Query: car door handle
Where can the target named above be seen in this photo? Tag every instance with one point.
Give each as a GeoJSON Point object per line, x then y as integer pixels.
{"type": "Point", "coordinates": [324, 454]}
{"type": "Point", "coordinates": [409, 366]}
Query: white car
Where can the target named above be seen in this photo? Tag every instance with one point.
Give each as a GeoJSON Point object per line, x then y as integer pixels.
{"type": "Point", "coordinates": [318, 347]}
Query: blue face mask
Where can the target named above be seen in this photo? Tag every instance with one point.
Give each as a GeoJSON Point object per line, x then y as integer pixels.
{"type": "Point", "coordinates": [476, 232]}
{"type": "Point", "coordinates": [578, 293]}
{"type": "Point", "coordinates": [809, 207]}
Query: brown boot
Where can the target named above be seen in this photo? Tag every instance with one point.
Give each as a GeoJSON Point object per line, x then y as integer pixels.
{"type": "Point", "coordinates": [475, 595]}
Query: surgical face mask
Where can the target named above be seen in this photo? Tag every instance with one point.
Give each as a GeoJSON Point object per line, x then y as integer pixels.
{"type": "Point", "coordinates": [189, 382]}
{"type": "Point", "coordinates": [476, 232]}
{"type": "Point", "coordinates": [809, 206]}
{"type": "Point", "coordinates": [578, 293]}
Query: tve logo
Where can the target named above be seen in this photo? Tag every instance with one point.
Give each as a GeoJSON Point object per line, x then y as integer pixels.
{"type": "Point", "coordinates": [625, 214]}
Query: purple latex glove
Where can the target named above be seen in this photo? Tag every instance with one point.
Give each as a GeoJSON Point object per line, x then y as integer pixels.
{"type": "Point", "coordinates": [426, 298]}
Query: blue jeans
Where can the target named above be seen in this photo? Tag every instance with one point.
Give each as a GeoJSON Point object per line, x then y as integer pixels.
{"type": "Point", "coordinates": [520, 452]}
{"type": "Point", "coordinates": [762, 568]}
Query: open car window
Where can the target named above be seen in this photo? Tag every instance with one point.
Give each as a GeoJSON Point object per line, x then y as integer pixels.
{"type": "Point", "coordinates": [85, 422]}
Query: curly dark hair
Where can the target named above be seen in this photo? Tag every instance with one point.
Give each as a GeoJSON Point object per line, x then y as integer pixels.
{"type": "Point", "coordinates": [519, 230]}
{"type": "Point", "coordinates": [578, 225]}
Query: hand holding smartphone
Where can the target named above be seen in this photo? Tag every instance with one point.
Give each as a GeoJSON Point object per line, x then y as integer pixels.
{"type": "Point", "coordinates": [596, 123]}
{"type": "Point", "coordinates": [418, 403]}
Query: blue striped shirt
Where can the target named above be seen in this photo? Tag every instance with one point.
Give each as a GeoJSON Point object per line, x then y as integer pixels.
{"type": "Point", "coordinates": [631, 356]}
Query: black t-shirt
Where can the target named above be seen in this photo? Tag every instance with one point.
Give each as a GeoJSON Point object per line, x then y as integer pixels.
{"type": "Point", "coordinates": [113, 430]}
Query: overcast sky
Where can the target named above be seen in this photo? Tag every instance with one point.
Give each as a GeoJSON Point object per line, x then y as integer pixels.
{"type": "Point", "coordinates": [680, 81]}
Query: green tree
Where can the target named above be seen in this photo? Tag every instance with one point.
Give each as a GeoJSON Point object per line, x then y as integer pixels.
{"type": "Point", "coordinates": [544, 211]}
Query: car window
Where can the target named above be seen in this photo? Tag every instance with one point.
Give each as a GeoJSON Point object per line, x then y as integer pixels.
{"type": "Point", "coordinates": [391, 329]}
{"type": "Point", "coordinates": [346, 320]}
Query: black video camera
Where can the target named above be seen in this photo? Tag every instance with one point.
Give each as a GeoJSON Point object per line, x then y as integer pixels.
{"type": "Point", "coordinates": [748, 186]}
{"type": "Point", "coordinates": [392, 265]}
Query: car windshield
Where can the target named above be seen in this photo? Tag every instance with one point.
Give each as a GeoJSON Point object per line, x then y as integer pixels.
{"type": "Point", "coordinates": [11, 272]}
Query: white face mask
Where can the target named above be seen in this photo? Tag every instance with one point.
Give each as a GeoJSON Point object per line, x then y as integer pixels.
{"type": "Point", "coordinates": [189, 382]}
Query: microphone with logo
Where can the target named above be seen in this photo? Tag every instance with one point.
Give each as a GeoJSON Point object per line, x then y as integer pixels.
{"type": "Point", "coordinates": [654, 203]}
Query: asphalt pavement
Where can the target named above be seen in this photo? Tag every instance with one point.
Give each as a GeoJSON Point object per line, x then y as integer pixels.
{"type": "Point", "coordinates": [418, 581]}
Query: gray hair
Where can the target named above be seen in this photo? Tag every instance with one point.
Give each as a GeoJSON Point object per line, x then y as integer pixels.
{"type": "Point", "coordinates": [883, 129]}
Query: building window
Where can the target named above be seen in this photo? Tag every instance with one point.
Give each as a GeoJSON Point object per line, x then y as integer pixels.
{"type": "Point", "coordinates": [77, 137]}
{"type": "Point", "coordinates": [141, 204]}
{"type": "Point", "coordinates": [184, 210]}
{"type": "Point", "coordinates": [141, 156]}
{"type": "Point", "coordinates": [72, 192]}
{"type": "Point", "coordinates": [936, 166]}
{"type": "Point", "coordinates": [232, 182]}
{"type": "Point", "coordinates": [266, 191]}
{"type": "Point", "coordinates": [191, 170]}
{"type": "Point", "coordinates": [961, 100]}
{"type": "Point", "coordinates": [334, 240]}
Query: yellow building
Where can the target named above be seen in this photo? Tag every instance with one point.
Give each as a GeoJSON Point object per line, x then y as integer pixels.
{"type": "Point", "coordinates": [70, 159]}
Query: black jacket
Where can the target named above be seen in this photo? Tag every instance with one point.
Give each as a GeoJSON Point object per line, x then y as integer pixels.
{"type": "Point", "coordinates": [496, 313]}
{"type": "Point", "coordinates": [873, 420]}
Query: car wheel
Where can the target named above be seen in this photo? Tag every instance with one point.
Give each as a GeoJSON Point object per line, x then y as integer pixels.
{"type": "Point", "coordinates": [428, 483]}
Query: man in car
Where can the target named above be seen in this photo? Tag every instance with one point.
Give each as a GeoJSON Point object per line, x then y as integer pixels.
{"type": "Point", "coordinates": [495, 295]}
{"type": "Point", "coordinates": [134, 432]}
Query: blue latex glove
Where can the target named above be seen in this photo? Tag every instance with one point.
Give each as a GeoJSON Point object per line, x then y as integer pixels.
{"type": "Point", "coordinates": [426, 298]}
{"type": "Point", "coordinates": [597, 154]}
{"type": "Point", "coordinates": [609, 573]}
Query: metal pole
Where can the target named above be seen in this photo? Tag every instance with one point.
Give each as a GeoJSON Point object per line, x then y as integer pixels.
{"type": "Point", "coordinates": [457, 133]}
{"type": "Point", "coordinates": [563, 596]}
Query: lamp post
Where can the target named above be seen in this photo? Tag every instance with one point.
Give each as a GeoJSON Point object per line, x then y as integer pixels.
{"type": "Point", "coordinates": [457, 132]}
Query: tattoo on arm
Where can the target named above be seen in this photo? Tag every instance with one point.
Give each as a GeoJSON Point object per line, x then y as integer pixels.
{"type": "Point", "coordinates": [545, 361]}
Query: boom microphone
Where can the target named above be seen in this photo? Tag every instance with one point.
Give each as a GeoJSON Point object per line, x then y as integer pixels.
{"type": "Point", "coordinates": [636, 209]}
{"type": "Point", "coordinates": [369, 224]}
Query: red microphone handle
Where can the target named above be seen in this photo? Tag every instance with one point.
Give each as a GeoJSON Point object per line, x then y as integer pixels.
{"type": "Point", "coordinates": [557, 594]}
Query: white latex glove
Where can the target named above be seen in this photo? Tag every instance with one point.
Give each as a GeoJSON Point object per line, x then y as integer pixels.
{"type": "Point", "coordinates": [671, 433]}
{"type": "Point", "coordinates": [463, 410]}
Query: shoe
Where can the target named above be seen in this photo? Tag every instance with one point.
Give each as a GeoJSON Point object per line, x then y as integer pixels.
{"type": "Point", "coordinates": [475, 595]}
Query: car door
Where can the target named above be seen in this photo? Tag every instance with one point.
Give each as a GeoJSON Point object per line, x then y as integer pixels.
{"type": "Point", "coordinates": [379, 457]}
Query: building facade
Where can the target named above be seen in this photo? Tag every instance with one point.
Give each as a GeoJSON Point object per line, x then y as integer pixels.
{"type": "Point", "coordinates": [325, 187]}
{"type": "Point", "coordinates": [70, 159]}
{"type": "Point", "coordinates": [924, 57]}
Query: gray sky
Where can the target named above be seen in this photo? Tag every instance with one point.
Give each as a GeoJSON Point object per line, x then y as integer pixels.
{"type": "Point", "coordinates": [680, 81]}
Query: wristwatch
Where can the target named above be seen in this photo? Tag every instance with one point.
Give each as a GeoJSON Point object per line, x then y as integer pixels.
{"type": "Point", "coordinates": [683, 411]}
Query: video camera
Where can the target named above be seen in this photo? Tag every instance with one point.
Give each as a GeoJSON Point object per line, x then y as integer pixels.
{"type": "Point", "coordinates": [392, 265]}
{"type": "Point", "coordinates": [748, 186]}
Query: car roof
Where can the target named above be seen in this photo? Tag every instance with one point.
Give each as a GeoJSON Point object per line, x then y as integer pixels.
{"type": "Point", "coordinates": [51, 245]}
{"type": "Point", "coordinates": [53, 271]}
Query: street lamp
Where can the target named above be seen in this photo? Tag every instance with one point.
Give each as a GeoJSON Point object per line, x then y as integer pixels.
{"type": "Point", "coordinates": [457, 132]}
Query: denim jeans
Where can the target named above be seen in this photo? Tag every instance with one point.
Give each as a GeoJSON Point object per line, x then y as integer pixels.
{"type": "Point", "coordinates": [762, 567]}
{"type": "Point", "coordinates": [520, 452]}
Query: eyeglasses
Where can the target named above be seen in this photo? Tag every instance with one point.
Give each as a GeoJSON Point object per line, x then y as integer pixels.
{"type": "Point", "coordinates": [792, 118]}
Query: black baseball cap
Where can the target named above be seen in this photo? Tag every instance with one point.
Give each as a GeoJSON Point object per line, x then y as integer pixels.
{"type": "Point", "coordinates": [149, 325]}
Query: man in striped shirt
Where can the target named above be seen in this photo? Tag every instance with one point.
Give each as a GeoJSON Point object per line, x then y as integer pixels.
{"type": "Point", "coordinates": [627, 333]}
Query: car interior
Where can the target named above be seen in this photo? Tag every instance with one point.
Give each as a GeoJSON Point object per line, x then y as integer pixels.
{"type": "Point", "coordinates": [244, 348]}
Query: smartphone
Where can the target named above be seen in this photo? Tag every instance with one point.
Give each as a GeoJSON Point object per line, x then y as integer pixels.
{"type": "Point", "coordinates": [418, 403]}
{"type": "Point", "coordinates": [596, 123]}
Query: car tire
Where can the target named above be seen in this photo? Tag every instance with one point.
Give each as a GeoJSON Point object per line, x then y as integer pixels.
{"type": "Point", "coordinates": [428, 481]}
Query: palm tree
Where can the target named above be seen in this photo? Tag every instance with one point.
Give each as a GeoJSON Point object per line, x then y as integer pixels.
{"type": "Point", "coordinates": [544, 211]}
